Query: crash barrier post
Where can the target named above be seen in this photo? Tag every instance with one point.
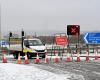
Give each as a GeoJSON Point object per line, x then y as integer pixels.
{"type": "Point", "coordinates": [96, 54]}
{"type": "Point", "coordinates": [87, 54]}
{"type": "Point", "coordinates": [19, 59]}
{"type": "Point", "coordinates": [69, 59]}
{"type": "Point", "coordinates": [56, 59]}
{"type": "Point", "coordinates": [59, 50]}
{"type": "Point", "coordinates": [37, 60]}
{"type": "Point", "coordinates": [26, 57]}
{"type": "Point", "coordinates": [51, 52]}
{"type": "Point", "coordinates": [46, 57]}
{"type": "Point", "coordinates": [63, 51]}
{"type": "Point", "coordinates": [78, 56]}
{"type": "Point", "coordinates": [4, 59]}
{"type": "Point", "coordinates": [60, 53]}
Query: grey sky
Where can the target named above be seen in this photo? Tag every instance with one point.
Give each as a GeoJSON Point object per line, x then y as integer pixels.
{"type": "Point", "coordinates": [50, 15]}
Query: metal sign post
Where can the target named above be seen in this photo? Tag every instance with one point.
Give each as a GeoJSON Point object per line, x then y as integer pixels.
{"type": "Point", "coordinates": [61, 40]}
{"type": "Point", "coordinates": [73, 30]}
{"type": "Point", "coordinates": [22, 33]}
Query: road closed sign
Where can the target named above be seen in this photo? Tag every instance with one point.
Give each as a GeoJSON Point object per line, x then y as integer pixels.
{"type": "Point", "coordinates": [61, 41]}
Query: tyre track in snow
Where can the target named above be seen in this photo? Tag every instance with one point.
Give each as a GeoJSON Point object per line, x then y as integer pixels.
{"type": "Point", "coordinates": [90, 70]}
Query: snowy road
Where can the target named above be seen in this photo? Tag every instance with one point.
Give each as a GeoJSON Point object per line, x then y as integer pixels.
{"type": "Point", "coordinates": [13, 71]}
{"type": "Point", "coordinates": [61, 71]}
{"type": "Point", "coordinates": [77, 70]}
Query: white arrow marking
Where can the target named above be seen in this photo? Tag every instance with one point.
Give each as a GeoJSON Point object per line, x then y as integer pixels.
{"type": "Point", "coordinates": [85, 38]}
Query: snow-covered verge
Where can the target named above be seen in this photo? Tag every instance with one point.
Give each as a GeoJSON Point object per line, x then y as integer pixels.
{"type": "Point", "coordinates": [10, 71]}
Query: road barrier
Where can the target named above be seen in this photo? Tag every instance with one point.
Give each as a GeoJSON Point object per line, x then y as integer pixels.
{"type": "Point", "coordinates": [87, 55]}
{"type": "Point", "coordinates": [19, 59]}
{"type": "Point", "coordinates": [46, 57]}
{"type": "Point", "coordinates": [37, 60]}
{"type": "Point", "coordinates": [96, 55]}
{"type": "Point", "coordinates": [4, 59]}
{"type": "Point", "coordinates": [58, 54]}
{"type": "Point", "coordinates": [56, 59]}
{"type": "Point", "coordinates": [26, 59]}
{"type": "Point", "coordinates": [78, 56]}
{"type": "Point", "coordinates": [69, 58]}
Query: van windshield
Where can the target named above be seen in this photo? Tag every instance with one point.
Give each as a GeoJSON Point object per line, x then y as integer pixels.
{"type": "Point", "coordinates": [33, 42]}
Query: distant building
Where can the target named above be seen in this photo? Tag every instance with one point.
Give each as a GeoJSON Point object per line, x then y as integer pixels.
{"type": "Point", "coordinates": [13, 36]}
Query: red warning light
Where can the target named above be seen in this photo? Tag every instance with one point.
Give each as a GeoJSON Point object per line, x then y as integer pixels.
{"type": "Point", "coordinates": [73, 29]}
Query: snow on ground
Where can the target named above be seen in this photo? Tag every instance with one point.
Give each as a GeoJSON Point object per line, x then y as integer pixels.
{"type": "Point", "coordinates": [9, 71]}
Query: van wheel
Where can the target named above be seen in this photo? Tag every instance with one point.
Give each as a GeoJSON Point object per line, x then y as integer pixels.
{"type": "Point", "coordinates": [43, 56]}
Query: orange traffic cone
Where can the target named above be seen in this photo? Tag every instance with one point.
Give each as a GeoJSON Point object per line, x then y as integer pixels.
{"type": "Point", "coordinates": [19, 59]}
{"type": "Point", "coordinates": [69, 59]}
{"type": "Point", "coordinates": [4, 60]}
{"type": "Point", "coordinates": [46, 58]}
{"type": "Point", "coordinates": [37, 60]}
{"type": "Point", "coordinates": [96, 55]}
{"type": "Point", "coordinates": [56, 60]}
{"type": "Point", "coordinates": [87, 56]}
{"type": "Point", "coordinates": [78, 56]}
{"type": "Point", "coordinates": [26, 59]}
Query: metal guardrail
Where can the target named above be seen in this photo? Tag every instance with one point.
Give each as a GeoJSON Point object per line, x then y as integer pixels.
{"type": "Point", "coordinates": [82, 49]}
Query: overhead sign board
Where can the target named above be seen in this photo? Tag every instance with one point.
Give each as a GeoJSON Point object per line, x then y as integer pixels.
{"type": "Point", "coordinates": [61, 41]}
{"type": "Point", "coordinates": [92, 38]}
